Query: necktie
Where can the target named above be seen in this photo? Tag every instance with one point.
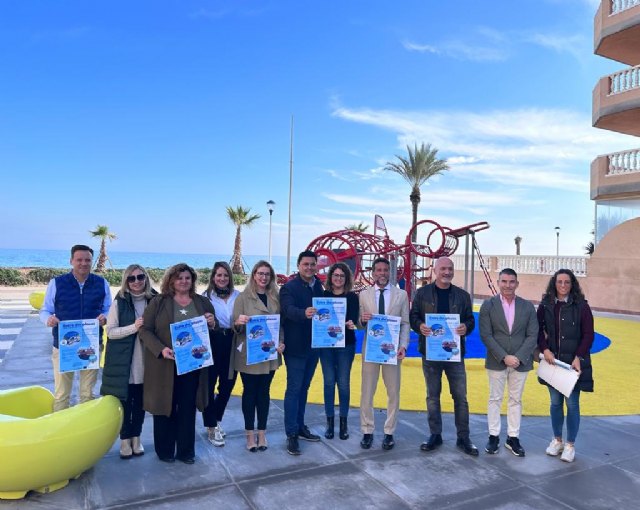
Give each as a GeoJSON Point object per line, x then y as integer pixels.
{"type": "Point", "coordinates": [381, 302]}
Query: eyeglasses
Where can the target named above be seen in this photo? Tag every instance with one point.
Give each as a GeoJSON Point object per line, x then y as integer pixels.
{"type": "Point", "coordinates": [264, 275]}
{"type": "Point", "coordinates": [132, 278]}
{"type": "Point", "coordinates": [338, 275]}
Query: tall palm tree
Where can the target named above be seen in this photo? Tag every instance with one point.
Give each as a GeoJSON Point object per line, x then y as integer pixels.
{"type": "Point", "coordinates": [360, 227]}
{"type": "Point", "coordinates": [421, 164]}
{"type": "Point", "coordinates": [240, 217]}
{"type": "Point", "coordinates": [102, 231]}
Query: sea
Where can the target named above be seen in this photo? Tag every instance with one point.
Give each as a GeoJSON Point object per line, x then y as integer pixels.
{"type": "Point", "coordinates": [10, 257]}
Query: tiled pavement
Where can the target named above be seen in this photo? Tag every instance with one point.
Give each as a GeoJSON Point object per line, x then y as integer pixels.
{"type": "Point", "coordinates": [334, 474]}
{"type": "Point", "coordinates": [13, 315]}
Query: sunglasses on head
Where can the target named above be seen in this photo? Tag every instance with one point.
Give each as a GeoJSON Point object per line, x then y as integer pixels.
{"type": "Point", "coordinates": [140, 277]}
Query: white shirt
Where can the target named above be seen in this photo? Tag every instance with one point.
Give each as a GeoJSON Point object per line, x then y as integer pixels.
{"type": "Point", "coordinates": [224, 309]}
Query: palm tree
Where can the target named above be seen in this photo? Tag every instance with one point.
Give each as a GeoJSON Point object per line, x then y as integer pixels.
{"type": "Point", "coordinates": [240, 217]}
{"type": "Point", "coordinates": [102, 231]}
{"type": "Point", "coordinates": [360, 227]}
{"type": "Point", "coordinates": [518, 241]}
{"type": "Point", "coordinates": [421, 164]}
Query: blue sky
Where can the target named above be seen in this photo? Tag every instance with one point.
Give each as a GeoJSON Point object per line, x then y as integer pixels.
{"type": "Point", "coordinates": [152, 116]}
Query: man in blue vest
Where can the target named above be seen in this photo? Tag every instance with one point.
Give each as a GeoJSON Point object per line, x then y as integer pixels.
{"type": "Point", "coordinates": [76, 295]}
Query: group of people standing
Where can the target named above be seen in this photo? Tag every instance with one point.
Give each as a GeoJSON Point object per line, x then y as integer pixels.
{"type": "Point", "coordinates": [140, 367]}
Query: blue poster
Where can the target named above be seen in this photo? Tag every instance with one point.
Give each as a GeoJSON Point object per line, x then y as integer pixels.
{"type": "Point", "coordinates": [79, 344]}
{"type": "Point", "coordinates": [263, 336]}
{"type": "Point", "coordinates": [191, 345]}
{"type": "Point", "coordinates": [443, 344]}
{"type": "Point", "coordinates": [383, 337]}
{"type": "Point", "coordinates": [328, 324]}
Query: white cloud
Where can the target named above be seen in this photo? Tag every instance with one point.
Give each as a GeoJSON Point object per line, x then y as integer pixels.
{"type": "Point", "coordinates": [421, 48]}
{"type": "Point", "coordinates": [460, 50]}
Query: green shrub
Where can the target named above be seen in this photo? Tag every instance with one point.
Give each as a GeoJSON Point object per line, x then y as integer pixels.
{"type": "Point", "coordinates": [44, 274]}
{"type": "Point", "coordinates": [240, 279]}
{"type": "Point", "coordinates": [12, 277]}
{"type": "Point", "coordinates": [113, 276]}
{"type": "Point", "coordinates": [155, 274]}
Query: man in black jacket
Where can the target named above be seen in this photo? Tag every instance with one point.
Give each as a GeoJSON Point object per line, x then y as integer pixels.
{"type": "Point", "coordinates": [297, 311]}
{"type": "Point", "coordinates": [442, 297]}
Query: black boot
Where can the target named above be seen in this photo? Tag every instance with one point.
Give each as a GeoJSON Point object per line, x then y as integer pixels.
{"type": "Point", "coordinates": [329, 432]}
{"type": "Point", "coordinates": [344, 429]}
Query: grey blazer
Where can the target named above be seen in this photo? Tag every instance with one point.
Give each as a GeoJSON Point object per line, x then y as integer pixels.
{"type": "Point", "coordinates": [398, 306]}
{"type": "Point", "coordinates": [494, 333]}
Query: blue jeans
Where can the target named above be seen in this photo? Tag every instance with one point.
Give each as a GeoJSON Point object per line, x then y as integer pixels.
{"type": "Point", "coordinates": [300, 370]}
{"type": "Point", "coordinates": [457, 377]}
{"type": "Point", "coordinates": [557, 413]}
{"type": "Point", "coordinates": [336, 369]}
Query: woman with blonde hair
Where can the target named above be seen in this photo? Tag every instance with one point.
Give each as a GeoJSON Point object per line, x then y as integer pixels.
{"type": "Point", "coordinates": [260, 297]}
{"type": "Point", "coordinates": [123, 372]}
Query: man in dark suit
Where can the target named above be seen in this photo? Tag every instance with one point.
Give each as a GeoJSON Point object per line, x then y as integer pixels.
{"type": "Point", "coordinates": [385, 299]}
{"type": "Point", "coordinates": [297, 311]}
{"type": "Point", "coordinates": [509, 330]}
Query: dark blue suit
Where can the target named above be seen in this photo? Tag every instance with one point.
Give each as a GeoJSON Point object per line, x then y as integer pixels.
{"type": "Point", "coordinates": [301, 361]}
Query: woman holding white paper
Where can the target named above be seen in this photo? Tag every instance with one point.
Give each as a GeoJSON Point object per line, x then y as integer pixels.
{"type": "Point", "coordinates": [336, 361]}
{"type": "Point", "coordinates": [260, 297]}
{"type": "Point", "coordinates": [566, 333]}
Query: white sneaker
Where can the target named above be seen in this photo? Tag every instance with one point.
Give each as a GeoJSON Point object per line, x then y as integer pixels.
{"type": "Point", "coordinates": [569, 453]}
{"type": "Point", "coordinates": [555, 448]}
{"type": "Point", "coordinates": [215, 436]}
{"type": "Point", "coordinates": [224, 434]}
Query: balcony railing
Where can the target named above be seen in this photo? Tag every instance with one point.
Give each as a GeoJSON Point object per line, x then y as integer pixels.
{"type": "Point", "coordinates": [625, 162]}
{"type": "Point", "coordinates": [528, 264]}
{"type": "Point", "coordinates": [622, 5]}
{"type": "Point", "coordinates": [624, 81]}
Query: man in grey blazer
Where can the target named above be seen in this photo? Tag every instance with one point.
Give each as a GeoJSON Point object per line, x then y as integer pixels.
{"type": "Point", "coordinates": [385, 299]}
{"type": "Point", "coordinates": [509, 330]}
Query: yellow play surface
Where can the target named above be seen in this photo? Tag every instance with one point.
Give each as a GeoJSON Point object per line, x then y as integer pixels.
{"type": "Point", "coordinates": [616, 372]}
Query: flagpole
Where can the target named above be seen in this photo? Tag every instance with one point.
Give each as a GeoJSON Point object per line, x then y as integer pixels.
{"type": "Point", "coordinates": [290, 194]}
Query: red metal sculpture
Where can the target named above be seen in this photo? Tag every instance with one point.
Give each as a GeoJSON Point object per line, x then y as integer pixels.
{"type": "Point", "coordinates": [413, 260]}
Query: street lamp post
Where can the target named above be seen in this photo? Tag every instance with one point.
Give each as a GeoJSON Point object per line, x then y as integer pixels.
{"type": "Point", "coordinates": [557, 229]}
{"type": "Point", "coordinates": [270, 206]}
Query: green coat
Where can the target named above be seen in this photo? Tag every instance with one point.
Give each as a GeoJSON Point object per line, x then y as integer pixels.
{"type": "Point", "coordinates": [159, 372]}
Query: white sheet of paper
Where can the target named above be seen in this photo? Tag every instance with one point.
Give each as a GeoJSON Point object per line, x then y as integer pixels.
{"type": "Point", "coordinates": [561, 378]}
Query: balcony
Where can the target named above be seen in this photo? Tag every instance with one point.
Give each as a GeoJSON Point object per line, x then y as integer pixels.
{"type": "Point", "coordinates": [616, 102]}
{"type": "Point", "coordinates": [617, 31]}
{"type": "Point", "coordinates": [616, 175]}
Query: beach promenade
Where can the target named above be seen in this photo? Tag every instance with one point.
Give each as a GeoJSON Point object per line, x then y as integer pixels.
{"type": "Point", "coordinates": [335, 474]}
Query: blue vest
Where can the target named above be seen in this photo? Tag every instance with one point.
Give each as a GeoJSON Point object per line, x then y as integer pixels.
{"type": "Point", "coordinates": [72, 303]}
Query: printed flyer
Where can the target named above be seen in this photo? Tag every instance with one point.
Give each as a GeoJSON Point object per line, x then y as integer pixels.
{"type": "Point", "coordinates": [383, 338]}
{"type": "Point", "coordinates": [191, 345]}
{"type": "Point", "coordinates": [328, 325]}
{"type": "Point", "coordinates": [79, 344]}
{"type": "Point", "coordinates": [263, 336]}
{"type": "Point", "coordinates": [443, 344]}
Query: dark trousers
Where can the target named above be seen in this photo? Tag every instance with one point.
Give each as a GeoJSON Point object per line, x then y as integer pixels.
{"type": "Point", "coordinates": [256, 399]}
{"type": "Point", "coordinates": [175, 435]}
{"type": "Point", "coordinates": [300, 370]}
{"type": "Point", "coordinates": [457, 378]}
{"type": "Point", "coordinates": [219, 373]}
{"type": "Point", "coordinates": [133, 413]}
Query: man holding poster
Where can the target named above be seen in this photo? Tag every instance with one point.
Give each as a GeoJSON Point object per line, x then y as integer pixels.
{"type": "Point", "coordinates": [441, 297]}
{"type": "Point", "coordinates": [382, 299]}
{"type": "Point", "coordinates": [509, 330]}
{"type": "Point", "coordinates": [73, 296]}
